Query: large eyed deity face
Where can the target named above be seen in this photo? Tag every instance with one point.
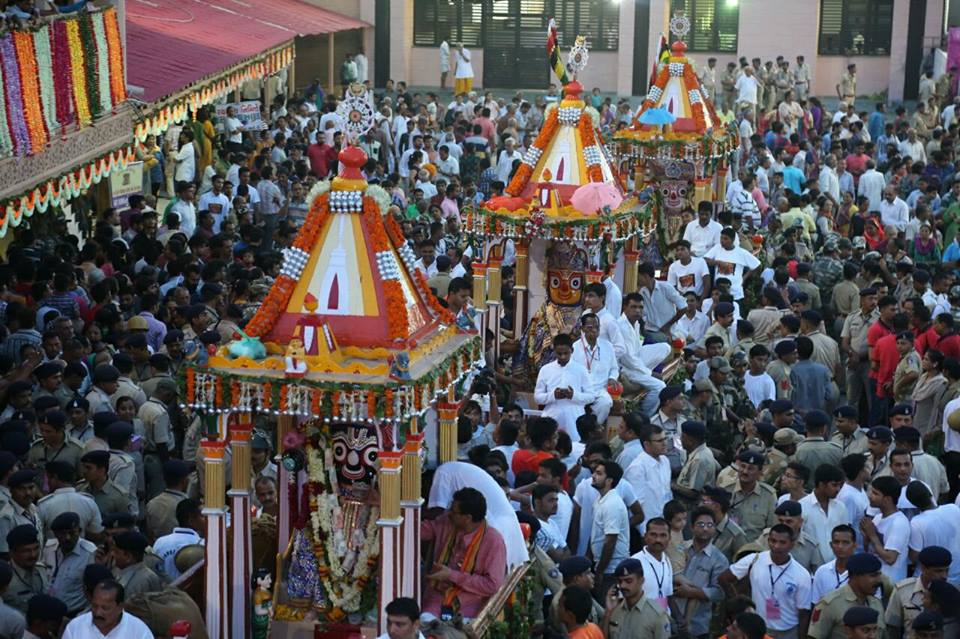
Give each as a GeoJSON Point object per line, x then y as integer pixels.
{"type": "Point", "coordinates": [565, 286]}
{"type": "Point", "coordinates": [674, 193]}
{"type": "Point", "coordinates": [355, 455]}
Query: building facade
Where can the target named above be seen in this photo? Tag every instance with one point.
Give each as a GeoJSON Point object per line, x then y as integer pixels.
{"type": "Point", "coordinates": [885, 38]}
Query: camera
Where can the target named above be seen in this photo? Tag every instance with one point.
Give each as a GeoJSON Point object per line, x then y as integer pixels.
{"type": "Point", "coordinates": [484, 382]}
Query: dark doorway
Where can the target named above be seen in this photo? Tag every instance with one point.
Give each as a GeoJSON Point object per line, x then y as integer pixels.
{"type": "Point", "coordinates": [513, 52]}
{"type": "Point", "coordinates": [641, 46]}
{"type": "Point", "coordinates": [381, 44]}
{"type": "Point", "coordinates": [911, 75]}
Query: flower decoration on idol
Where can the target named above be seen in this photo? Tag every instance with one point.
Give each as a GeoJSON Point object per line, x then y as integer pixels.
{"type": "Point", "coordinates": [534, 226]}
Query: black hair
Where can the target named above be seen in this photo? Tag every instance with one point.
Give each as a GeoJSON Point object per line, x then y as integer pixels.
{"type": "Point", "coordinates": [472, 503]}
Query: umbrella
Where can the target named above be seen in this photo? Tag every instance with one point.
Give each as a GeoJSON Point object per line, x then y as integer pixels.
{"type": "Point", "coordinates": [657, 117]}
{"type": "Point", "coordinates": [593, 197]}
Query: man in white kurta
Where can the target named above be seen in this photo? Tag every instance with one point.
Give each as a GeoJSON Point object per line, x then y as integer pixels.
{"type": "Point", "coordinates": [596, 355]}
{"type": "Point", "coordinates": [594, 301]}
{"type": "Point", "coordinates": [635, 361]}
{"type": "Point", "coordinates": [563, 388]}
{"type": "Point", "coordinates": [649, 474]}
{"type": "Point", "coordinates": [451, 476]}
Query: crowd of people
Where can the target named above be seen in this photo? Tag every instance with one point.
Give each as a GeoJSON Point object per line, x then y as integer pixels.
{"type": "Point", "coordinates": [795, 479]}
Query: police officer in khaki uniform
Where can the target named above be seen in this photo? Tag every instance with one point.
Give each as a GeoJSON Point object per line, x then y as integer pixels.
{"type": "Point", "coordinates": [122, 468]}
{"type": "Point", "coordinates": [29, 573]}
{"type": "Point", "coordinates": [853, 343]}
{"type": "Point", "coordinates": [576, 571]}
{"type": "Point", "coordinates": [700, 467]}
{"type": "Point", "coordinates": [162, 509]}
{"type": "Point", "coordinates": [849, 436]}
{"type": "Point", "coordinates": [730, 536]}
{"type": "Point", "coordinates": [728, 82]}
{"type": "Point", "coordinates": [879, 439]}
{"type": "Point", "coordinates": [906, 602]}
{"type": "Point", "coordinates": [54, 443]}
{"type": "Point", "coordinates": [847, 89]}
{"type": "Point", "coordinates": [815, 451]}
{"type": "Point", "coordinates": [805, 549]}
{"type": "Point", "coordinates": [97, 484]}
{"type": "Point", "coordinates": [829, 614]}
{"type": "Point", "coordinates": [928, 625]}
{"type": "Point", "coordinates": [629, 614]}
{"type": "Point", "coordinates": [129, 548]}
{"type": "Point", "coordinates": [785, 442]}
{"type": "Point", "coordinates": [20, 510]}
{"type": "Point", "coordinates": [753, 502]}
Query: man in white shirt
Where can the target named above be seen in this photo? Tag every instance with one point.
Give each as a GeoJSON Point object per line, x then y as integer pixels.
{"type": "Point", "coordinates": [107, 617]}
{"type": "Point", "coordinates": [887, 534]}
{"type": "Point", "coordinates": [233, 128]}
{"type": "Point", "coordinates": [403, 619]}
{"type": "Point", "coordinates": [687, 272]}
{"type": "Point", "coordinates": [871, 185]}
{"type": "Point", "coordinates": [703, 233]}
{"type": "Point", "coordinates": [189, 521]}
{"type": "Point", "coordinates": [360, 60]}
{"type": "Point", "coordinates": [563, 387]}
{"type": "Point", "coordinates": [822, 511]}
{"type": "Point", "coordinates": [610, 532]}
{"type": "Point", "coordinates": [649, 473]}
{"type": "Point", "coordinates": [185, 208]}
{"type": "Point", "coordinates": [829, 182]}
{"type": "Point", "coordinates": [732, 262]}
{"type": "Point", "coordinates": [505, 161]}
{"type": "Point", "coordinates": [662, 304]}
{"type": "Point", "coordinates": [779, 585]}
{"type": "Point", "coordinates": [934, 526]}
{"type": "Point", "coordinates": [657, 569]}
{"type": "Point", "coordinates": [893, 210]}
{"type": "Point", "coordinates": [594, 301]}
{"type": "Point", "coordinates": [913, 147]}
{"type": "Point", "coordinates": [597, 356]}
{"type": "Point", "coordinates": [692, 325]}
{"type": "Point", "coordinates": [746, 87]}
{"type": "Point", "coordinates": [743, 203]}
{"type": "Point", "coordinates": [185, 159]}
{"type": "Point", "coordinates": [447, 165]}
{"type": "Point", "coordinates": [216, 202]}
{"type": "Point", "coordinates": [636, 371]}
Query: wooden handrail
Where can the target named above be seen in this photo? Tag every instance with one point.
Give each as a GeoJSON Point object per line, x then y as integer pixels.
{"type": "Point", "coordinates": [478, 626]}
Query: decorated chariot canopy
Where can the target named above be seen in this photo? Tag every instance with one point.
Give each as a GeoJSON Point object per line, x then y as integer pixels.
{"type": "Point", "coordinates": [566, 186]}
{"type": "Point", "coordinates": [349, 329]}
{"type": "Point", "coordinates": [677, 121]}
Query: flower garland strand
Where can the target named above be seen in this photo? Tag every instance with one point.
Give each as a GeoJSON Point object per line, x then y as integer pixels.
{"type": "Point", "coordinates": [103, 61]}
{"type": "Point", "coordinates": [118, 88]}
{"type": "Point", "coordinates": [64, 84]}
{"type": "Point", "coordinates": [6, 142]}
{"type": "Point", "coordinates": [30, 87]}
{"type": "Point", "coordinates": [14, 97]}
{"type": "Point", "coordinates": [78, 67]}
{"type": "Point", "coordinates": [48, 93]}
{"type": "Point", "coordinates": [88, 49]}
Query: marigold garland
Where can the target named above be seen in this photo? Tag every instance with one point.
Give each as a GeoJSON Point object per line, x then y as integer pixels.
{"type": "Point", "coordinates": [191, 383]}
{"type": "Point", "coordinates": [315, 398]}
{"type": "Point", "coordinates": [374, 226]}
{"type": "Point", "coordinates": [397, 325]}
{"type": "Point", "coordinates": [371, 404]}
{"type": "Point", "coordinates": [335, 403]}
{"type": "Point", "coordinates": [549, 129]}
{"type": "Point", "coordinates": [266, 399]}
{"type": "Point", "coordinates": [442, 313]}
{"type": "Point", "coordinates": [118, 88]}
{"type": "Point", "coordinates": [279, 295]}
{"type": "Point", "coordinates": [81, 99]}
{"type": "Point", "coordinates": [388, 403]}
{"type": "Point", "coordinates": [218, 391]}
{"type": "Point", "coordinates": [284, 391]}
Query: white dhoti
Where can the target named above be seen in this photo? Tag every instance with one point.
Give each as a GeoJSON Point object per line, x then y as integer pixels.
{"type": "Point", "coordinates": [601, 406]}
{"type": "Point", "coordinates": [654, 354]}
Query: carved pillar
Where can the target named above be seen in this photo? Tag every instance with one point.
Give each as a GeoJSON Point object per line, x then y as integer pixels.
{"type": "Point", "coordinates": [447, 427]}
{"type": "Point", "coordinates": [217, 613]}
{"type": "Point", "coordinates": [390, 523]}
{"type": "Point", "coordinates": [520, 288]}
{"type": "Point", "coordinates": [241, 559]}
{"type": "Point", "coordinates": [631, 259]}
{"type": "Point", "coordinates": [494, 302]}
{"type": "Point", "coordinates": [411, 501]}
{"type": "Point", "coordinates": [284, 425]}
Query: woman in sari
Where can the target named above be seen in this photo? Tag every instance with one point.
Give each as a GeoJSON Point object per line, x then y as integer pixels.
{"type": "Point", "coordinates": [926, 394]}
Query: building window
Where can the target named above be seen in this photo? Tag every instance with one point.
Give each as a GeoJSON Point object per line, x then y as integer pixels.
{"type": "Point", "coordinates": [597, 20]}
{"type": "Point", "coordinates": [855, 27]}
{"type": "Point", "coordinates": [466, 20]}
{"type": "Point", "coordinates": [452, 20]}
{"type": "Point", "coordinates": [713, 24]}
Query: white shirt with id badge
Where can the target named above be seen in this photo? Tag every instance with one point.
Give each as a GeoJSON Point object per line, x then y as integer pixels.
{"type": "Point", "coordinates": [779, 592]}
{"type": "Point", "coordinates": [657, 578]}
